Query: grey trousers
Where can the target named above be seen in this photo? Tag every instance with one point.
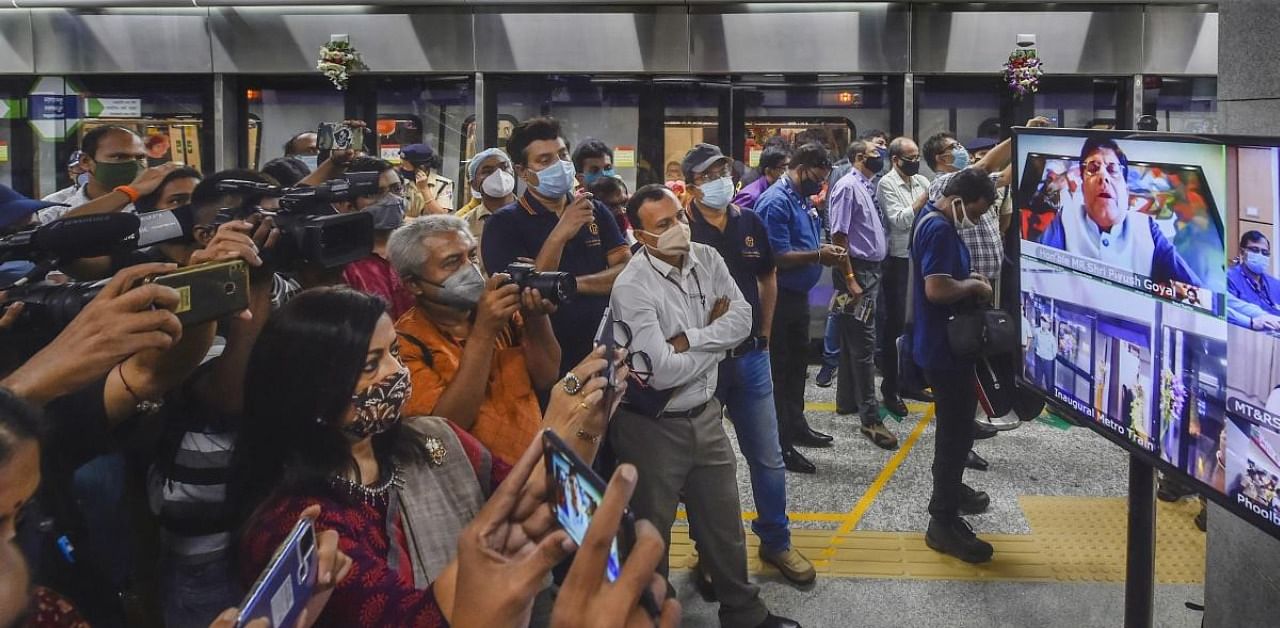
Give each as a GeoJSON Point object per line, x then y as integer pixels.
{"type": "Point", "coordinates": [693, 457]}
{"type": "Point", "coordinates": [856, 378]}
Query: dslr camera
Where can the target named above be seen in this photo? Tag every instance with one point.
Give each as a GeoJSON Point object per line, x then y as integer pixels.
{"type": "Point", "coordinates": [311, 231]}
{"type": "Point", "coordinates": [554, 286]}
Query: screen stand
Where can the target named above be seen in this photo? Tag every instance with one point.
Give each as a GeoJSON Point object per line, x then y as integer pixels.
{"type": "Point", "coordinates": [1140, 568]}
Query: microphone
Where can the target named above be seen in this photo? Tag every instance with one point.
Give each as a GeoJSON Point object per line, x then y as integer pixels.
{"type": "Point", "coordinates": [164, 226]}
{"type": "Point", "coordinates": [74, 237]}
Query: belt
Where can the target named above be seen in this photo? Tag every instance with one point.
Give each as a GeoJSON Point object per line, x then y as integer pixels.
{"type": "Point", "coordinates": [750, 344]}
{"type": "Point", "coordinates": [675, 414]}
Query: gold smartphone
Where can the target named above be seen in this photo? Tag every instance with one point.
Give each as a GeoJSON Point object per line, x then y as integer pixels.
{"type": "Point", "coordinates": [209, 291]}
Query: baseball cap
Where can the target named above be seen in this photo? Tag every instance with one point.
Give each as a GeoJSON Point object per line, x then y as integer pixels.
{"type": "Point", "coordinates": [699, 158]}
{"type": "Point", "coordinates": [979, 143]}
{"type": "Point", "coordinates": [417, 154]}
{"type": "Point", "coordinates": [15, 207]}
{"type": "Point", "coordinates": [74, 158]}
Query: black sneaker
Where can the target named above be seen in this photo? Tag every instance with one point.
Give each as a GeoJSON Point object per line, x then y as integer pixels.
{"type": "Point", "coordinates": [973, 502]}
{"type": "Point", "coordinates": [954, 537]}
{"type": "Point", "coordinates": [825, 375]}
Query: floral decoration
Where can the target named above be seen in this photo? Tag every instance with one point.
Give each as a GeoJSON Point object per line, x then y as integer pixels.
{"type": "Point", "coordinates": [1022, 71]}
{"type": "Point", "coordinates": [338, 59]}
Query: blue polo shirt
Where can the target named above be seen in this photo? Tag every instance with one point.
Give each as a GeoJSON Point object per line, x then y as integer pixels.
{"type": "Point", "coordinates": [744, 245]}
{"type": "Point", "coordinates": [521, 228]}
{"type": "Point", "coordinates": [793, 225]}
{"type": "Point", "coordinates": [936, 250]}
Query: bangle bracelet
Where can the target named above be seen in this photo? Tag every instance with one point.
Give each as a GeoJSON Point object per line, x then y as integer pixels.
{"type": "Point", "coordinates": [588, 436]}
{"type": "Point", "coordinates": [128, 191]}
{"type": "Point", "coordinates": [142, 406]}
{"type": "Point", "coordinates": [849, 276]}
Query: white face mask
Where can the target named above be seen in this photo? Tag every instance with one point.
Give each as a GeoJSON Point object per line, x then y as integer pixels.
{"type": "Point", "coordinates": [498, 184]}
{"type": "Point", "coordinates": [961, 217]}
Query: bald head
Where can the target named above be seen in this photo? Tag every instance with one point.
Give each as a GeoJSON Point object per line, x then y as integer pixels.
{"type": "Point", "coordinates": [905, 155]}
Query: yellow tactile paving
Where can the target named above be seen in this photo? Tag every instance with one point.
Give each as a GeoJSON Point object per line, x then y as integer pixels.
{"type": "Point", "coordinates": [1073, 539]}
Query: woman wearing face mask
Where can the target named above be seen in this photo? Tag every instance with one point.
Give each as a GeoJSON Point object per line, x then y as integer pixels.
{"type": "Point", "coordinates": [492, 186]}
{"type": "Point", "coordinates": [323, 398]}
{"type": "Point", "coordinates": [427, 191]}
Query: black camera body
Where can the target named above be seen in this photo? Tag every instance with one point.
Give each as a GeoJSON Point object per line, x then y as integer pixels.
{"type": "Point", "coordinates": [312, 233]}
{"type": "Point", "coordinates": [46, 310]}
{"type": "Point", "coordinates": [556, 287]}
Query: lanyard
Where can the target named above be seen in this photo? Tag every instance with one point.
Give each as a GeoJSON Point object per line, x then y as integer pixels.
{"type": "Point", "coordinates": [1260, 287]}
{"type": "Point", "coordinates": [692, 269]}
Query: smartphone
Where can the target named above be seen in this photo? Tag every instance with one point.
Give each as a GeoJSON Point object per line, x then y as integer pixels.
{"type": "Point", "coordinates": [207, 292]}
{"type": "Point", "coordinates": [576, 493]}
{"type": "Point", "coordinates": [605, 338]}
{"type": "Point", "coordinates": [286, 585]}
{"type": "Point", "coordinates": [339, 136]}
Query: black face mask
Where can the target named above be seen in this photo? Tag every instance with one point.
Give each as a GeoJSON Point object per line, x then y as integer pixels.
{"type": "Point", "coordinates": [809, 187]}
{"type": "Point", "coordinates": [909, 168]}
{"type": "Point", "coordinates": [875, 164]}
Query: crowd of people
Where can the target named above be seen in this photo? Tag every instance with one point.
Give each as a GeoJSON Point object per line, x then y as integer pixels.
{"type": "Point", "coordinates": [150, 468]}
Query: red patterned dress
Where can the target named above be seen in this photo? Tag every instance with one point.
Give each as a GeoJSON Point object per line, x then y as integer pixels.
{"type": "Point", "coordinates": [372, 594]}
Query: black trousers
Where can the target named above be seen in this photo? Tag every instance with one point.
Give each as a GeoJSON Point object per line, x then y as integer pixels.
{"type": "Point", "coordinates": [856, 379]}
{"type": "Point", "coordinates": [789, 362]}
{"type": "Point", "coordinates": [896, 272]}
{"type": "Point", "coordinates": [956, 400]}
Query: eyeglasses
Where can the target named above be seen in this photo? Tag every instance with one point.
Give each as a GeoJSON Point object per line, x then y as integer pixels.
{"type": "Point", "coordinates": [711, 175]}
{"type": "Point", "coordinates": [1094, 167]}
{"type": "Point", "coordinates": [640, 364]}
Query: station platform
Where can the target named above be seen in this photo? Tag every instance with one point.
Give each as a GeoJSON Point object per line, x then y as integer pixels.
{"type": "Point", "coordinates": [1057, 521]}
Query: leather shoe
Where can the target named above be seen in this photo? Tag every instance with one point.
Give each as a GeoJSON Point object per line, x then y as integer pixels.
{"type": "Point", "coordinates": [792, 564]}
{"type": "Point", "coordinates": [809, 437]}
{"type": "Point", "coordinates": [896, 406]}
{"type": "Point", "coordinates": [774, 621]}
{"type": "Point", "coordinates": [983, 431]}
{"type": "Point", "coordinates": [973, 502]}
{"type": "Point", "coordinates": [702, 582]}
{"type": "Point", "coordinates": [796, 462]}
{"type": "Point", "coordinates": [976, 462]}
{"type": "Point", "coordinates": [918, 395]}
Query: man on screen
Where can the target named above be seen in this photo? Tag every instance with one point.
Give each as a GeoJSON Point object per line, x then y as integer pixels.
{"type": "Point", "coordinates": [1104, 228]}
{"type": "Point", "coordinates": [1254, 299]}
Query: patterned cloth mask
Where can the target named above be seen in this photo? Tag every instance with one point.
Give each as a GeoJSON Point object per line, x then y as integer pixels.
{"type": "Point", "coordinates": [378, 406]}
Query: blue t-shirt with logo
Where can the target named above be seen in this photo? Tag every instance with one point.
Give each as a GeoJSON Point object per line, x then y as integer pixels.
{"type": "Point", "coordinates": [936, 249]}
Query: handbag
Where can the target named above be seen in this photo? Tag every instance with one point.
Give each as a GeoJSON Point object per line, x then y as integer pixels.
{"type": "Point", "coordinates": [981, 332]}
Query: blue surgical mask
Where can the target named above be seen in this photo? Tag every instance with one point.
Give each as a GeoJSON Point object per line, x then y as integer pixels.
{"type": "Point", "coordinates": [83, 179]}
{"type": "Point", "coordinates": [312, 161]}
{"type": "Point", "coordinates": [959, 157]}
{"type": "Point", "coordinates": [717, 194]}
{"type": "Point", "coordinates": [556, 180]}
{"type": "Point", "coordinates": [592, 177]}
{"type": "Point", "coordinates": [1257, 262]}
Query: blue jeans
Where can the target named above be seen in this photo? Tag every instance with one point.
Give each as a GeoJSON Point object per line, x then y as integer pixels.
{"type": "Point", "coordinates": [746, 390]}
{"type": "Point", "coordinates": [831, 343]}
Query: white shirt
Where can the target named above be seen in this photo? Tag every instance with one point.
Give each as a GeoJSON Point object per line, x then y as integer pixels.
{"type": "Point", "coordinates": [77, 198]}
{"type": "Point", "coordinates": [897, 200]}
{"type": "Point", "coordinates": [62, 195]}
{"type": "Point", "coordinates": [659, 301]}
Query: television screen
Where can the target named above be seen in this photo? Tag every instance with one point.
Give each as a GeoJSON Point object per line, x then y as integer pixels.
{"type": "Point", "coordinates": [1149, 299]}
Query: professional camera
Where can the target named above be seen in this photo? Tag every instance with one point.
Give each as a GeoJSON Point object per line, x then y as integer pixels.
{"type": "Point", "coordinates": [312, 232]}
{"type": "Point", "coordinates": [555, 287]}
{"type": "Point", "coordinates": [47, 309]}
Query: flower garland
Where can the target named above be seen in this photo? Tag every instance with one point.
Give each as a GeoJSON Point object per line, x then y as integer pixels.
{"type": "Point", "coordinates": [1022, 71]}
{"type": "Point", "coordinates": [338, 59]}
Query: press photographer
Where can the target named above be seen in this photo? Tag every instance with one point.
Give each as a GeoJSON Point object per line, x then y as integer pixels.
{"type": "Point", "coordinates": [479, 351]}
{"type": "Point", "coordinates": [373, 274]}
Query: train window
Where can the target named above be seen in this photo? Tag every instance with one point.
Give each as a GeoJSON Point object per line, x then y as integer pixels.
{"type": "Point", "coordinates": [967, 106]}
{"type": "Point", "coordinates": [1186, 104]}
{"type": "Point", "coordinates": [281, 108]}
{"type": "Point", "coordinates": [833, 109]}
{"type": "Point", "coordinates": [1082, 102]}
{"type": "Point", "coordinates": [434, 111]}
{"type": "Point", "coordinates": [692, 114]}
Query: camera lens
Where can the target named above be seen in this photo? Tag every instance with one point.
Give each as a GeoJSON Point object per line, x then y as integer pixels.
{"type": "Point", "coordinates": [556, 287]}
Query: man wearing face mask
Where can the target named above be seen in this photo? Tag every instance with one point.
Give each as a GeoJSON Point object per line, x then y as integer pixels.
{"type": "Point", "coordinates": [745, 385]}
{"type": "Point", "coordinates": [559, 232]}
{"type": "Point", "coordinates": [941, 282]}
{"type": "Point", "coordinates": [478, 351]}
{"type": "Point", "coordinates": [901, 193]}
{"type": "Point", "coordinates": [685, 312]}
{"type": "Point", "coordinates": [78, 176]}
{"type": "Point", "coordinates": [492, 188]}
{"type": "Point", "coordinates": [795, 234]}
{"type": "Point", "coordinates": [857, 224]}
{"type": "Point", "coordinates": [426, 190]}
{"type": "Point", "coordinates": [593, 159]}
{"type": "Point", "coordinates": [774, 162]}
{"type": "Point", "coordinates": [115, 159]}
{"type": "Point", "coordinates": [1254, 294]}
{"type": "Point", "coordinates": [374, 274]}
{"type": "Point", "coordinates": [303, 148]}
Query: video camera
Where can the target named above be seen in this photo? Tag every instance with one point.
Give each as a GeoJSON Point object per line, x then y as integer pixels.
{"type": "Point", "coordinates": [554, 286]}
{"type": "Point", "coordinates": [312, 231]}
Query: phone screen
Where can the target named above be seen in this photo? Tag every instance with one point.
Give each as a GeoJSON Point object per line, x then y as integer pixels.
{"type": "Point", "coordinates": [605, 338]}
{"type": "Point", "coordinates": [576, 497]}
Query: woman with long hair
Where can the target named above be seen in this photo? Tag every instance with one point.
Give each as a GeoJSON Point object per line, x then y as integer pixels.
{"type": "Point", "coordinates": [323, 395]}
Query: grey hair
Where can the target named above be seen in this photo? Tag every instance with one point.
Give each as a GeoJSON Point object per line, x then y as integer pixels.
{"type": "Point", "coordinates": [898, 147]}
{"type": "Point", "coordinates": [407, 249]}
